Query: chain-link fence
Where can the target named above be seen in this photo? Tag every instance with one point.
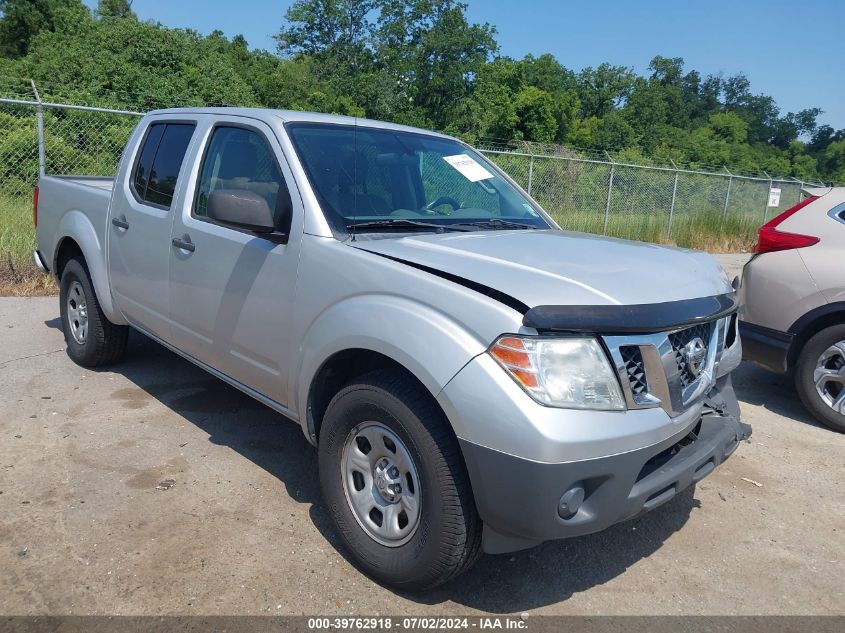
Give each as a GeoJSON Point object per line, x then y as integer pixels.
{"type": "Point", "coordinates": [76, 140]}
{"type": "Point", "coordinates": [699, 209]}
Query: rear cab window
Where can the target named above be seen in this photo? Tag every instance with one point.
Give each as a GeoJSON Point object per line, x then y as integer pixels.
{"type": "Point", "coordinates": [159, 162]}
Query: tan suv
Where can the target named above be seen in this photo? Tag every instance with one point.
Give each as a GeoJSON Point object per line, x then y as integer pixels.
{"type": "Point", "coordinates": [792, 315]}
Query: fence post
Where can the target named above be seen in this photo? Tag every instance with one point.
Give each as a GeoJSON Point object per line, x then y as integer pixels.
{"type": "Point", "coordinates": [609, 192]}
{"type": "Point", "coordinates": [727, 196]}
{"type": "Point", "coordinates": [530, 172]}
{"type": "Point", "coordinates": [766, 205]}
{"type": "Point", "coordinates": [39, 122]}
{"type": "Point", "coordinates": [672, 207]}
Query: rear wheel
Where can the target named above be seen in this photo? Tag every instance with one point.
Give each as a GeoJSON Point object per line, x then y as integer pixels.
{"type": "Point", "coordinates": [820, 377]}
{"type": "Point", "coordinates": [92, 339]}
{"type": "Point", "coordinates": [395, 484]}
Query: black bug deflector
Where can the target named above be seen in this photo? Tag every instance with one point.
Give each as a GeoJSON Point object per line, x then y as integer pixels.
{"type": "Point", "coordinates": [639, 318]}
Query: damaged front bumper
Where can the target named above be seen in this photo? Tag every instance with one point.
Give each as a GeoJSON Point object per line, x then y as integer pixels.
{"type": "Point", "coordinates": [524, 502]}
{"type": "Point", "coordinates": [540, 473]}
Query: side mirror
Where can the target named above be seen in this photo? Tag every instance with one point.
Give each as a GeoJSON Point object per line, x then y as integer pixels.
{"type": "Point", "coordinates": [241, 208]}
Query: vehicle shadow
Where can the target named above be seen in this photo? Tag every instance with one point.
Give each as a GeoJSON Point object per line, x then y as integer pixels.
{"type": "Point", "coordinates": [523, 580]}
{"type": "Point", "coordinates": [229, 417]}
{"type": "Point", "coordinates": [774, 392]}
{"type": "Point", "coordinates": [557, 570]}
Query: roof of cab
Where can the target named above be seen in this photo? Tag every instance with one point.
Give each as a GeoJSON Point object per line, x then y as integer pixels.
{"type": "Point", "coordinates": [267, 114]}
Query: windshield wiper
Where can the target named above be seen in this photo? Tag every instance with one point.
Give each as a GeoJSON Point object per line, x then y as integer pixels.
{"type": "Point", "coordinates": [497, 223]}
{"type": "Point", "coordinates": [402, 223]}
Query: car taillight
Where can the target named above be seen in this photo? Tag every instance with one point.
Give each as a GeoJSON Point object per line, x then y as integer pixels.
{"type": "Point", "coordinates": [35, 206]}
{"type": "Point", "coordinates": [769, 239]}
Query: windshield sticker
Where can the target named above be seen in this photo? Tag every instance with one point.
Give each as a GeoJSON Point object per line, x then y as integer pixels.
{"type": "Point", "coordinates": [529, 208]}
{"type": "Point", "coordinates": [471, 170]}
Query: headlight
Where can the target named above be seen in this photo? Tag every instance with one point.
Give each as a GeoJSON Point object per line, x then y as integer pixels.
{"type": "Point", "coordinates": [572, 373]}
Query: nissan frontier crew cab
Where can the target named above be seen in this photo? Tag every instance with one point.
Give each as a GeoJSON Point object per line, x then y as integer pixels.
{"type": "Point", "coordinates": [473, 377]}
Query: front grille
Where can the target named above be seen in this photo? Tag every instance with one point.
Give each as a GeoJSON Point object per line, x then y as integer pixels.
{"type": "Point", "coordinates": [653, 367]}
{"type": "Point", "coordinates": [635, 368]}
{"type": "Point", "coordinates": [680, 339]}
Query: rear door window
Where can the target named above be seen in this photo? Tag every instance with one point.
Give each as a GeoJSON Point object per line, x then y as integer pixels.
{"type": "Point", "coordinates": [160, 160]}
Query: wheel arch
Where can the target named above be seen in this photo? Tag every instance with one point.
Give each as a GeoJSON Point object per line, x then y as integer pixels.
{"type": "Point", "coordinates": [66, 249]}
{"type": "Point", "coordinates": [340, 369]}
{"type": "Point", "coordinates": [812, 323]}
{"type": "Point", "coordinates": [78, 237]}
{"type": "Point", "coordinates": [377, 330]}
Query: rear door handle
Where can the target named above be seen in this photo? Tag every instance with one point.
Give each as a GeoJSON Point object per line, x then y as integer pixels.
{"type": "Point", "coordinates": [120, 223]}
{"type": "Point", "coordinates": [178, 242]}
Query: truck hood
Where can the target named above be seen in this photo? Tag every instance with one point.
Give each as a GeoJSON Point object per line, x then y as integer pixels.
{"type": "Point", "coordinates": [548, 267]}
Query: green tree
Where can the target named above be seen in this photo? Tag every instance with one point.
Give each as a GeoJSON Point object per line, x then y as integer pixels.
{"type": "Point", "coordinates": [335, 28]}
{"type": "Point", "coordinates": [22, 20]}
{"type": "Point", "coordinates": [535, 112]}
{"type": "Point", "coordinates": [420, 62]}
{"type": "Point", "coordinates": [823, 137]}
{"type": "Point", "coordinates": [613, 132]}
{"type": "Point", "coordinates": [490, 111]}
{"type": "Point", "coordinates": [115, 9]}
{"type": "Point", "coordinates": [137, 64]}
{"type": "Point", "coordinates": [834, 161]}
{"type": "Point", "coordinates": [603, 89]}
{"type": "Point", "coordinates": [549, 75]}
{"type": "Point", "coordinates": [728, 127]}
{"type": "Point", "coordinates": [435, 50]}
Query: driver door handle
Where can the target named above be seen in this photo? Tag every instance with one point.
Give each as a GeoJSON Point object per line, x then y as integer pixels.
{"type": "Point", "coordinates": [120, 223]}
{"type": "Point", "coordinates": [185, 245]}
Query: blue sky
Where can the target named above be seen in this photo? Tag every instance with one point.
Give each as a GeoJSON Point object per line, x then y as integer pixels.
{"type": "Point", "coordinates": [790, 50]}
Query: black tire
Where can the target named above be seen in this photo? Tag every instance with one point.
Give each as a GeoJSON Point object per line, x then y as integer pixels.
{"type": "Point", "coordinates": [447, 540]}
{"type": "Point", "coordinates": [805, 383]}
{"type": "Point", "coordinates": [104, 342]}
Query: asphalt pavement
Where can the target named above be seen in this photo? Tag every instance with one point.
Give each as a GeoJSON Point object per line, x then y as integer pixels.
{"type": "Point", "coordinates": [152, 487]}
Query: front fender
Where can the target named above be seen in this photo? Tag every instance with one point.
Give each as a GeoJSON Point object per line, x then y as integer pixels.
{"type": "Point", "coordinates": [427, 342]}
{"type": "Point", "coordinates": [75, 225]}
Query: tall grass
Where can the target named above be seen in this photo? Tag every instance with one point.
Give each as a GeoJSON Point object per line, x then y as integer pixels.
{"type": "Point", "coordinates": [710, 232]}
{"type": "Point", "coordinates": [18, 275]}
{"type": "Point", "coordinates": [701, 231]}
{"type": "Point", "coordinates": [17, 233]}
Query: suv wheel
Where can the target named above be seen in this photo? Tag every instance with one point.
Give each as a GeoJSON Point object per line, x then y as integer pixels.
{"type": "Point", "coordinates": [395, 484]}
{"type": "Point", "coordinates": [820, 377]}
{"type": "Point", "coordinates": [91, 338]}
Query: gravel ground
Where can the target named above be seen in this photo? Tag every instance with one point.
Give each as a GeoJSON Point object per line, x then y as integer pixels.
{"type": "Point", "coordinates": [90, 522]}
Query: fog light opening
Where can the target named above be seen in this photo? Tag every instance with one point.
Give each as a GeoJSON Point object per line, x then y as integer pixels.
{"type": "Point", "coordinates": [570, 502]}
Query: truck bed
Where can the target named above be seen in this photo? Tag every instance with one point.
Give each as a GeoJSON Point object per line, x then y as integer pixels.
{"type": "Point", "coordinates": [105, 183]}
{"type": "Point", "coordinates": [78, 200]}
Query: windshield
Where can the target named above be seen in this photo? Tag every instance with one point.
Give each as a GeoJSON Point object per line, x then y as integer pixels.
{"type": "Point", "coordinates": [369, 179]}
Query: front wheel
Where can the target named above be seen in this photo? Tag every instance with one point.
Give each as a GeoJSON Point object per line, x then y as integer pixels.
{"type": "Point", "coordinates": [92, 339]}
{"type": "Point", "coordinates": [820, 377]}
{"type": "Point", "coordinates": [395, 484]}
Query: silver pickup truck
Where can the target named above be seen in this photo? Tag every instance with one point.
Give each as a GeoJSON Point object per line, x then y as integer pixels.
{"type": "Point", "coordinates": [473, 377]}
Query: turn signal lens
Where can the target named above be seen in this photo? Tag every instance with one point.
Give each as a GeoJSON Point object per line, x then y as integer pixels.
{"type": "Point", "coordinates": [561, 372]}
{"type": "Point", "coordinates": [516, 358]}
